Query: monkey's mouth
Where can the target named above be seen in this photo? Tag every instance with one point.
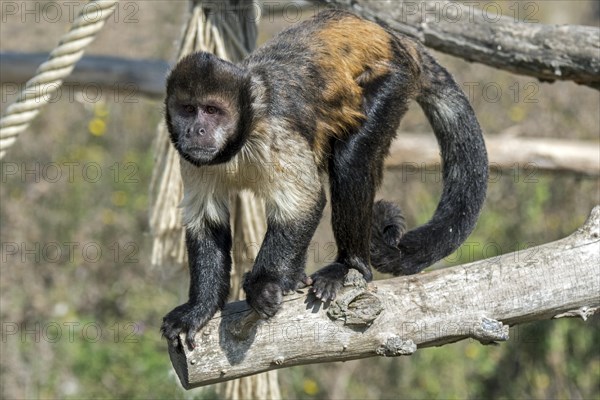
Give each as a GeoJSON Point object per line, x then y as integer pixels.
{"type": "Point", "coordinates": [199, 155]}
{"type": "Point", "coordinates": [201, 150]}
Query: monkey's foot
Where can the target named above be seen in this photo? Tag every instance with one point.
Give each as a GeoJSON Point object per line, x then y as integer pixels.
{"type": "Point", "coordinates": [264, 297]}
{"type": "Point", "coordinates": [187, 319]}
{"type": "Point", "coordinates": [328, 281]}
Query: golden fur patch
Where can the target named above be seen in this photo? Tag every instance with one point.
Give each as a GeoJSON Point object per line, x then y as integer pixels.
{"type": "Point", "coordinates": [353, 52]}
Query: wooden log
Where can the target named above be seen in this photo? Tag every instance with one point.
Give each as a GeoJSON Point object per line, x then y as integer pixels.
{"type": "Point", "coordinates": [136, 77]}
{"type": "Point", "coordinates": [415, 151]}
{"type": "Point", "coordinates": [397, 316]}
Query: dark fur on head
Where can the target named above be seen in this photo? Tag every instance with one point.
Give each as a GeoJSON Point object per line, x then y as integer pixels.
{"type": "Point", "coordinates": [201, 77]}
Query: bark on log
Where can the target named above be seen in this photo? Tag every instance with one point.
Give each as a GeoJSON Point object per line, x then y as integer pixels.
{"type": "Point", "coordinates": [412, 151]}
{"type": "Point", "coordinates": [396, 316]}
{"type": "Point", "coordinates": [547, 52]}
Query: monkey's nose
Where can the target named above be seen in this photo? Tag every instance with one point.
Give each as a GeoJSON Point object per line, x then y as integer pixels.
{"type": "Point", "coordinates": [201, 131]}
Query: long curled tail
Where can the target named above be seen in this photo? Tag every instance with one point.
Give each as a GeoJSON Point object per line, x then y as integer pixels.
{"type": "Point", "coordinates": [464, 172]}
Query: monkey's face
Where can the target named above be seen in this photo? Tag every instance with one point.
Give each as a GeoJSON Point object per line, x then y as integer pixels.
{"type": "Point", "coordinates": [200, 129]}
{"type": "Point", "coordinates": [203, 109]}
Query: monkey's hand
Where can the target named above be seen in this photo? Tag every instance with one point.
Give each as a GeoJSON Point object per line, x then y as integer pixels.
{"type": "Point", "coordinates": [263, 295]}
{"type": "Point", "coordinates": [186, 318]}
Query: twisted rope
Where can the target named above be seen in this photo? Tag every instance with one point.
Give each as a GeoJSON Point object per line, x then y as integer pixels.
{"type": "Point", "coordinates": [232, 39]}
{"type": "Point", "coordinates": [50, 74]}
{"type": "Point", "coordinates": [209, 30]}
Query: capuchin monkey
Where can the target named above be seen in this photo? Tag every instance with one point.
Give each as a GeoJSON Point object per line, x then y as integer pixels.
{"type": "Point", "coordinates": [324, 97]}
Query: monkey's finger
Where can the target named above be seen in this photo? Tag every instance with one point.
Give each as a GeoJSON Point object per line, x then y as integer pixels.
{"type": "Point", "coordinates": [328, 293]}
{"type": "Point", "coordinates": [304, 282]}
{"type": "Point", "coordinates": [318, 292]}
{"type": "Point", "coordinates": [172, 340]}
{"type": "Point", "coordinates": [189, 338]}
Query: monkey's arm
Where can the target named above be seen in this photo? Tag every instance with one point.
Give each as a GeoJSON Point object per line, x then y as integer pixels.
{"type": "Point", "coordinates": [279, 266]}
{"type": "Point", "coordinates": [210, 268]}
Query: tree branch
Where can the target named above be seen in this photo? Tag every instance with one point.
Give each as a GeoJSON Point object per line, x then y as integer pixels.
{"type": "Point", "coordinates": [547, 52]}
{"type": "Point", "coordinates": [135, 77]}
{"type": "Point", "coordinates": [396, 316]}
{"type": "Point", "coordinates": [505, 152]}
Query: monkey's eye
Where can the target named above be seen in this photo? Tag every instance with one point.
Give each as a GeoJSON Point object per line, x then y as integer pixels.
{"type": "Point", "coordinates": [211, 109]}
{"type": "Point", "coordinates": [189, 108]}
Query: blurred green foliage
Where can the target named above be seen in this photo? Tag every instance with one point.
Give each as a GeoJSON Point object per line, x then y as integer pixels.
{"type": "Point", "coordinates": [108, 308]}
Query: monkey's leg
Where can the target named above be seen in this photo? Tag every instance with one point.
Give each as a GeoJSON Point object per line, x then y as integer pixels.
{"type": "Point", "coordinates": [210, 267]}
{"type": "Point", "coordinates": [355, 172]}
{"type": "Point", "coordinates": [279, 266]}
{"type": "Point", "coordinates": [353, 178]}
